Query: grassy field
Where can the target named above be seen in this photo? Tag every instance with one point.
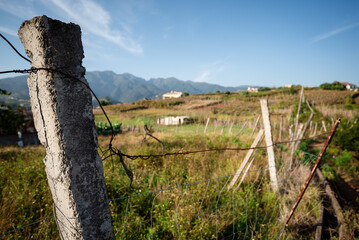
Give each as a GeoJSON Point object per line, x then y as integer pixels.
{"type": "Point", "coordinates": [186, 196]}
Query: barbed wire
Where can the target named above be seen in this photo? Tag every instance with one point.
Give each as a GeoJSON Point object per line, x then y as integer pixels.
{"type": "Point", "coordinates": [116, 152]}
{"type": "Point", "coordinates": [181, 152]}
{"type": "Point", "coordinates": [12, 46]}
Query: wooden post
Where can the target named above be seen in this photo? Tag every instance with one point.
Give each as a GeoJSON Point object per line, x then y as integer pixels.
{"type": "Point", "coordinates": [323, 126]}
{"type": "Point", "coordinates": [298, 112]}
{"type": "Point", "coordinates": [269, 143]}
{"type": "Point", "coordinates": [280, 128]}
{"type": "Point", "coordinates": [246, 159]}
{"type": "Point", "coordinates": [336, 206]}
{"type": "Point", "coordinates": [319, 230]}
{"type": "Point", "coordinates": [62, 110]}
{"type": "Point", "coordinates": [255, 125]}
{"type": "Point", "coordinates": [230, 129]}
{"type": "Point", "coordinates": [205, 129]}
{"type": "Point", "coordinates": [315, 130]}
{"type": "Point", "coordinates": [244, 125]}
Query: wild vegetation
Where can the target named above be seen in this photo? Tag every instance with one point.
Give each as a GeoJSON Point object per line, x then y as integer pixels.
{"type": "Point", "coordinates": [185, 195]}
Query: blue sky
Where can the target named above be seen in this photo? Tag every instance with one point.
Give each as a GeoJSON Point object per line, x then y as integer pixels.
{"type": "Point", "coordinates": [231, 43]}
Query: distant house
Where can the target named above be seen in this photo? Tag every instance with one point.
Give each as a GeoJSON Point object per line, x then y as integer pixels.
{"type": "Point", "coordinates": [288, 86]}
{"type": "Point", "coordinates": [179, 120]}
{"type": "Point", "coordinates": [349, 86]}
{"type": "Point", "coordinates": [172, 94]}
{"type": "Point", "coordinates": [252, 89]}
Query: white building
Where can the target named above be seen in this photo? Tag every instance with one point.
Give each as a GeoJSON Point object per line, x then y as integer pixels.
{"type": "Point", "coordinates": [172, 120]}
{"type": "Point", "coordinates": [252, 89]}
{"type": "Point", "coordinates": [172, 94]}
{"type": "Point", "coordinates": [349, 86]}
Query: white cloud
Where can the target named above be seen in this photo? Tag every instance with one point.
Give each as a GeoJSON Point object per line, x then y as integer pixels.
{"type": "Point", "coordinates": [94, 19]}
{"type": "Point", "coordinates": [212, 70]}
{"type": "Point", "coordinates": [19, 8]}
{"type": "Point", "coordinates": [91, 16]}
{"type": "Point", "coordinates": [333, 33]}
{"type": "Point", "coordinates": [8, 31]}
{"type": "Point", "coordinates": [202, 77]}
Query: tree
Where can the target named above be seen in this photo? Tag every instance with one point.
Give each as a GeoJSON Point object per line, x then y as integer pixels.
{"type": "Point", "coordinates": [185, 94]}
{"type": "Point", "coordinates": [11, 120]}
{"type": "Point", "coordinates": [263, 89]}
{"type": "Point", "coordinates": [105, 101]}
{"type": "Point", "coordinates": [332, 86]}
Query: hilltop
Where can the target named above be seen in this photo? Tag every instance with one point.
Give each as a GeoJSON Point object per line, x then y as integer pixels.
{"type": "Point", "coordinates": [124, 87]}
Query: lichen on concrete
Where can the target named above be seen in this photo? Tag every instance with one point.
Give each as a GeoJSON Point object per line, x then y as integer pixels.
{"type": "Point", "coordinates": [62, 109]}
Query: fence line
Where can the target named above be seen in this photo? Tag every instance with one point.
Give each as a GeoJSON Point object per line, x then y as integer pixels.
{"type": "Point", "coordinates": [114, 151]}
{"type": "Point", "coordinates": [163, 190]}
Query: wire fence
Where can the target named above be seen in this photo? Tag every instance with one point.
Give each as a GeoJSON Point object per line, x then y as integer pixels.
{"type": "Point", "coordinates": [206, 207]}
{"type": "Point", "coordinates": [201, 209]}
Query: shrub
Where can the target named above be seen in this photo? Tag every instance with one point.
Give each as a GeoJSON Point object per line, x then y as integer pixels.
{"type": "Point", "coordinates": [106, 101]}
{"type": "Point", "coordinates": [328, 172]}
{"type": "Point", "coordinates": [332, 86]}
{"type": "Point", "coordinates": [104, 128]}
{"type": "Point", "coordinates": [263, 89]}
{"type": "Point", "coordinates": [347, 136]}
{"type": "Point", "coordinates": [343, 160]}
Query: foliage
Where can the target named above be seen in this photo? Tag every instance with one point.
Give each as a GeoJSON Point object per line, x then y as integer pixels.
{"type": "Point", "coordinates": [328, 172]}
{"type": "Point", "coordinates": [185, 94]}
{"type": "Point", "coordinates": [332, 86]}
{"type": "Point", "coordinates": [343, 159]}
{"type": "Point", "coordinates": [347, 135]}
{"type": "Point", "coordinates": [104, 128]}
{"type": "Point", "coordinates": [4, 92]}
{"type": "Point", "coordinates": [105, 101]}
{"type": "Point", "coordinates": [264, 89]}
{"type": "Point", "coordinates": [245, 93]}
{"type": "Point", "coordinates": [11, 120]}
{"type": "Point", "coordinates": [348, 100]}
{"type": "Point", "coordinates": [25, 196]}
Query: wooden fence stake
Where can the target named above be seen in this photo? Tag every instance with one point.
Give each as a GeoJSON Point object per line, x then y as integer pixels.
{"type": "Point", "coordinates": [323, 126]}
{"type": "Point", "coordinates": [230, 129]}
{"type": "Point", "coordinates": [255, 125]}
{"type": "Point", "coordinates": [244, 125]}
{"type": "Point", "coordinates": [336, 206]}
{"type": "Point", "coordinates": [298, 112]}
{"type": "Point", "coordinates": [246, 159]}
{"type": "Point", "coordinates": [62, 109]}
{"type": "Point", "coordinates": [269, 144]}
{"type": "Point", "coordinates": [205, 129]}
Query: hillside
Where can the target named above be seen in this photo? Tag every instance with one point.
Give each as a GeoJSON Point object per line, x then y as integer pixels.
{"type": "Point", "coordinates": [123, 87]}
{"type": "Point", "coordinates": [187, 187]}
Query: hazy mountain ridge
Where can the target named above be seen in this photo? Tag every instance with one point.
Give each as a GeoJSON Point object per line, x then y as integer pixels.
{"type": "Point", "coordinates": [124, 87]}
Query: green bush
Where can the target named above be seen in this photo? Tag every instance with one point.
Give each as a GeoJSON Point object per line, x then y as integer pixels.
{"type": "Point", "coordinates": [104, 128]}
{"type": "Point", "coordinates": [328, 172]}
{"type": "Point", "coordinates": [343, 160]}
{"type": "Point", "coordinates": [263, 89]}
{"type": "Point", "coordinates": [332, 86]}
{"type": "Point", "coordinates": [347, 135]}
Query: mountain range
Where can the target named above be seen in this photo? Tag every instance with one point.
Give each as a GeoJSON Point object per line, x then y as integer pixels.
{"type": "Point", "coordinates": [124, 87]}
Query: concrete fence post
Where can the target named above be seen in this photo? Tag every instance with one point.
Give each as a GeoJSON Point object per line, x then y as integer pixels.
{"type": "Point", "coordinates": [62, 109]}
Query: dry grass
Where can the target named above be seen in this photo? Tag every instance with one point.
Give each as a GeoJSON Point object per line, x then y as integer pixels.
{"type": "Point", "coordinates": [336, 112]}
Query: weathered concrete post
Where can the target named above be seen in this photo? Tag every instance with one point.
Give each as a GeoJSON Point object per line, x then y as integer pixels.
{"type": "Point", "coordinates": [269, 143]}
{"type": "Point", "coordinates": [62, 110]}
